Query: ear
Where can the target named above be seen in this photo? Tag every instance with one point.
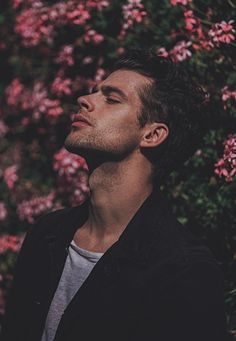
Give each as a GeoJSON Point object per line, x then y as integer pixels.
{"type": "Point", "coordinates": [154, 134]}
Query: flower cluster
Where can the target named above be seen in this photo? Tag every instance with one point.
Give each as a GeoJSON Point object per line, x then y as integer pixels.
{"type": "Point", "coordinates": [178, 53]}
{"type": "Point", "coordinates": [195, 31]}
{"type": "Point", "coordinates": [92, 36]}
{"type": "Point", "coordinates": [41, 104]}
{"type": "Point", "coordinates": [61, 87]}
{"type": "Point", "coordinates": [10, 243]}
{"type": "Point", "coordinates": [79, 15]}
{"type": "Point", "coordinates": [30, 209]}
{"type": "Point", "coordinates": [38, 22]}
{"type": "Point", "coordinates": [72, 175]}
{"type": "Point", "coordinates": [226, 166]}
{"type": "Point", "coordinates": [67, 164]}
{"type": "Point", "coordinates": [33, 25]}
{"type": "Point", "coordinates": [181, 51]}
{"type": "Point", "coordinates": [222, 33]}
{"type": "Point", "coordinates": [36, 99]}
{"type": "Point", "coordinates": [97, 4]}
{"type": "Point", "coordinates": [133, 12]}
{"type": "Point", "coordinates": [79, 189]}
{"type": "Point", "coordinates": [191, 22]}
{"type": "Point", "coordinates": [65, 55]}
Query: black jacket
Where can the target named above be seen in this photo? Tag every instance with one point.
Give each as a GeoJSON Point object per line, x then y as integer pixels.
{"type": "Point", "coordinates": [157, 282]}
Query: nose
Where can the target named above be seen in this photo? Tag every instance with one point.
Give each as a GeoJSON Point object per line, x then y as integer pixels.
{"type": "Point", "coordinates": [85, 103]}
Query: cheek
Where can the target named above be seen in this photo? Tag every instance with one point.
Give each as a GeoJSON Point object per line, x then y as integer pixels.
{"type": "Point", "coordinates": [120, 134]}
{"type": "Point", "coordinates": [122, 121]}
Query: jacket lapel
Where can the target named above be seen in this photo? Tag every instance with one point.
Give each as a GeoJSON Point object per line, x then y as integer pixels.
{"type": "Point", "coordinates": [58, 241]}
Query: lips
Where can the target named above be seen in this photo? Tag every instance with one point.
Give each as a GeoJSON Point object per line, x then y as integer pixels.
{"type": "Point", "coordinates": [80, 118]}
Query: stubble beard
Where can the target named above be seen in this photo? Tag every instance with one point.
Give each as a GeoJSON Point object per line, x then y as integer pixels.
{"type": "Point", "coordinates": [94, 146]}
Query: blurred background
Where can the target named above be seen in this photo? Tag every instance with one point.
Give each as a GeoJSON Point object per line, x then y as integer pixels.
{"type": "Point", "coordinates": [53, 51]}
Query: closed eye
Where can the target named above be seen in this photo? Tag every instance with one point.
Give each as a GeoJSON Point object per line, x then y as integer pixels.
{"type": "Point", "coordinates": [108, 100]}
{"type": "Point", "coordinates": [111, 100]}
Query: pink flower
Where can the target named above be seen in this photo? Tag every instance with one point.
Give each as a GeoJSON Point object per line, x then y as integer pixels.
{"type": "Point", "coordinates": [93, 36]}
{"type": "Point", "coordinates": [41, 104]}
{"type": "Point", "coordinates": [180, 2]}
{"type": "Point", "coordinates": [191, 22]}
{"type": "Point", "coordinates": [33, 26]}
{"type": "Point", "coordinates": [39, 22]}
{"type": "Point", "coordinates": [61, 87]}
{"type": "Point", "coordinates": [38, 96]}
{"type": "Point", "coordinates": [10, 176]}
{"type": "Point", "coordinates": [72, 175]}
{"type": "Point", "coordinates": [162, 52]}
{"type": "Point", "coordinates": [180, 51]}
{"type": "Point", "coordinates": [14, 92]}
{"type": "Point", "coordinates": [30, 209]}
{"type": "Point", "coordinates": [195, 31]}
{"type": "Point", "coordinates": [222, 33]}
{"type": "Point", "coordinates": [97, 4]}
{"type": "Point", "coordinates": [100, 74]}
{"type": "Point", "coordinates": [3, 211]}
{"type": "Point", "coordinates": [65, 55]}
{"type": "Point", "coordinates": [79, 189]}
{"type": "Point", "coordinates": [79, 15]}
{"type": "Point", "coordinates": [68, 164]}
{"type": "Point", "coordinates": [88, 60]}
{"type": "Point", "coordinates": [133, 12]}
{"type": "Point", "coordinates": [226, 166]}
{"type": "Point", "coordinates": [10, 243]}
{"type": "Point", "coordinates": [51, 107]}
{"type": "Point", "coordinates": [227, 94]}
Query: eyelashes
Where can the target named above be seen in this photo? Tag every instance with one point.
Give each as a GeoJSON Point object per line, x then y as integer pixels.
{"type": "Point", "coordinates": [108, 100]}
{"type": "Point", "coordinates": [111, 101]}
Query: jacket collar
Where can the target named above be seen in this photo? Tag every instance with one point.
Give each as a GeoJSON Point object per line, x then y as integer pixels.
{"type": "Point", "coordinates": [142, 231]}
{"type": "Point", "coordinates": [135, 241]}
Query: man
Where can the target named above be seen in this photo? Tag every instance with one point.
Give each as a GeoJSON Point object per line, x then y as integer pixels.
{"type": "Point", "coordinates": [120, 266]}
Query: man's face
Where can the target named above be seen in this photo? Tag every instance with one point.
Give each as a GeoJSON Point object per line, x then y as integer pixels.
{"type": "Point", "coordinates": [112, 112]}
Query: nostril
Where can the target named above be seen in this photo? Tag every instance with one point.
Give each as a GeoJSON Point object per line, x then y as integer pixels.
{"type": "Point", "coordinates": [84, 103]}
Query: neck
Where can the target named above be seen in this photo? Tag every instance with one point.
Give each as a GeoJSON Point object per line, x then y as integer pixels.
{"type": "Point", "coordinates": [117, 192]}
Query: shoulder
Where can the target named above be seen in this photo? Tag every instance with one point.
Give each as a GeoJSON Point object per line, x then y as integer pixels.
{"type": "Point", "coordinates": [176, 246]}
{"type": "Point", "coordinates": [185, 270]}
{"type": "Point", "coordinates": [50, 223]}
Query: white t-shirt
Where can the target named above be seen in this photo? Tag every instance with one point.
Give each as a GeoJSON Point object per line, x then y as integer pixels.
{"type": "Point", "coordinates": [79, 263]}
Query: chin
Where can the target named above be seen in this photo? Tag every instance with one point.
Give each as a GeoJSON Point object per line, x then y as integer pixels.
{"type": "Point", "coordinates": [74, 147]}
{"type": "Point", "coordinates": [70, 145]}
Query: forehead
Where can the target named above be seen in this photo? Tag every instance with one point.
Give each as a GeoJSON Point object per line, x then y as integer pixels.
{"type": "Point", "coordinates": [127, 81]}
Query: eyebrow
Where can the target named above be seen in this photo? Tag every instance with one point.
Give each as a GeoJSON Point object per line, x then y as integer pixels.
{"type": "Point", "coordinates": [108, 89]}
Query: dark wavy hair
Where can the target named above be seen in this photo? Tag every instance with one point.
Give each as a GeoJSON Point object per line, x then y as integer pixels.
{"type": "Point", "coordinates": [172, 97]}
